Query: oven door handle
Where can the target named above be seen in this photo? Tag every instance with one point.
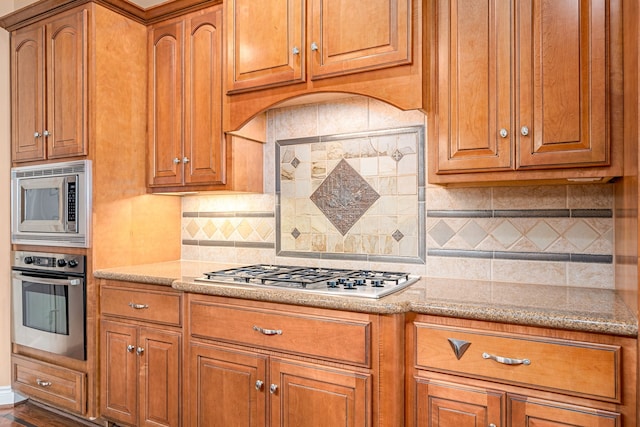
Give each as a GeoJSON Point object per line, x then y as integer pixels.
{"type": "Point", "coordinates": [48, 281]}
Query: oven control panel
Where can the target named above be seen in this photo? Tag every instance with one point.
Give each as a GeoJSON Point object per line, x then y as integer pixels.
{"type": "Point", "coordinates": [64, 263]}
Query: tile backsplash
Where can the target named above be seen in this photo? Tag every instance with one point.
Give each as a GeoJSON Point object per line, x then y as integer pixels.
{"type": "Point", "coordinates": [344, 185]}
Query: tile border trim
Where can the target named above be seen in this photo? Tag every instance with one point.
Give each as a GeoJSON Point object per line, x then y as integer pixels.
{"type": "Point", "coordinates": [228, 244]}
{"type": "Point", "coordinates": [522, 213]}
{"type": "Point", "coordinates": [229, 214]}
{"type": "Point", "coordinates": [523, 256]}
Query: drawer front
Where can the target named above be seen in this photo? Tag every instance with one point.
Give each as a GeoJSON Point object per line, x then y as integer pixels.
{"type": "Point", "coordinates": [342, 340]}
{"type": "Point", "coordinates": [61, 387]}
{"type": "Point", "coordinates": [151, 306]}
{"type": "Point", "coordinates": [580, 368]}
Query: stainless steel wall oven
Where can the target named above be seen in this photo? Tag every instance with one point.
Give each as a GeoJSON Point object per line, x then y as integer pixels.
{"type": "Point", "coordinates": [49, 300]}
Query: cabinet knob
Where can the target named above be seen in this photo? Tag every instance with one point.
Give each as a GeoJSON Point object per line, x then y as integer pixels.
{"type": "Point", "coordinates": [185, 160]}
{"type": "Point", "coordinates": [295, 50]}
{"type": "Point", "coordinates": [259, 385]}
{"type": "Point", "coordinates": [130, 348]}
{"type": "Point", "coordinates": [492, 425]}
{"type": "Point", "coordinates": [139, 351]}
{"type": "Point", "coordinates": [314, 46]}
{"type": "Point", "coordinates": [503, 133]}
{"type": "Point", "coordinates": [176, 160]}
{"type": "Point", "coordinates": [524, 131]}
{"type": "Point", "coordinates": [37, 134]}
{"type": "Point", "coordinates": [273, 388]}
{"type": "Point", "coordinates": [45, 133]}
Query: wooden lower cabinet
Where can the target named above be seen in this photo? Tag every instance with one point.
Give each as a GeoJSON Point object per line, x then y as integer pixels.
{"type": "Point", "coordinates": [255, 363]}
{"type": "Point", "coordinates": [140, 354]}
{"type": "Point", "coordinates": [443, 404]}
{"type": "Point", "coordinates": [473, 373]}
{"type": "Point", "coordinates": [55, 385]}
{"type": "Point", "coordinates": [232, 387]}
{"type": "Point", "coordinates": [528, 412]}
{"type": "Point", "coordinates": [450, 404]}
{"type": "Point", "coordinates": [140, 375]}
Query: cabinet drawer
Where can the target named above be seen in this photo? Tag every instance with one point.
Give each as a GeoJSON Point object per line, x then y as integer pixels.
{"type": "Point", "coordinates": [148, 305]}
{"type": "Point", "coordinates": [61, 387]}
{"type": "Point", "coordinates": [580, 368]}
{"type": "Point", "coordinates": [333, 338]}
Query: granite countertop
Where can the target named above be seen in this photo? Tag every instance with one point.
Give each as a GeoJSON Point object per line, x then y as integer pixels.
{"type": "Point", "coordinates": [579, 309]}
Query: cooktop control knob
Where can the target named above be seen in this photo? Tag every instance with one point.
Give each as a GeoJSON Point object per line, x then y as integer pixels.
{"type": "Point", "coordinates": [61, 262]}
{"type": "Point", "coordinates": [73, 263]}
{"type": "Point", "coordinates": [377, 283]}
{"type": "Point", "coordinates": [28, 260]}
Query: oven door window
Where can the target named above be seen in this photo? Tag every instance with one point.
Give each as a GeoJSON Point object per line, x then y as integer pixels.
{"type": "Point", "coordinates": [44, 307]}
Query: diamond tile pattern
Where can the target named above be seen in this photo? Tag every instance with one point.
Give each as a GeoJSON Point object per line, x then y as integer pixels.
{"type": "Point", "coordinates": [542, 235]}
{"type": "Point", "coordinates": [473, 234]}
{"type": "Point", "coordinates": [581, 235]}
{"type": "Point", "coordinates": [344, 196]}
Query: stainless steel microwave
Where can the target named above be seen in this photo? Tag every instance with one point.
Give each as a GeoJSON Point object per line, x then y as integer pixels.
{"type": "Point", "coordinates": [51, 204]}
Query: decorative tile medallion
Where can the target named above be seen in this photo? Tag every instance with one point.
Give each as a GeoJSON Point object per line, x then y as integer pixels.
{"type": "Point", "coordinates": [356, 196]}
{"type": "Point", "coordinates": [344, 197]}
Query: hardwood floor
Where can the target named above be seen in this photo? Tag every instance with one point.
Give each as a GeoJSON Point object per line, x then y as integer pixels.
{"type": "Point", "coordinates": [29, 414]}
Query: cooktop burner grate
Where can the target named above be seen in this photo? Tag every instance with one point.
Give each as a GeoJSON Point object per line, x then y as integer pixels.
{"type": "Point", "coordinates": [364, 283]}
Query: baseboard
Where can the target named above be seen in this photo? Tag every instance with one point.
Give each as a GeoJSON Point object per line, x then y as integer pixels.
{"type": "Point", "coordinates": [9, 398]}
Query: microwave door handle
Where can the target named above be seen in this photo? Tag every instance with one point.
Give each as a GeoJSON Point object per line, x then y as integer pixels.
{"type": "Point", "coordinates": [48, 281]}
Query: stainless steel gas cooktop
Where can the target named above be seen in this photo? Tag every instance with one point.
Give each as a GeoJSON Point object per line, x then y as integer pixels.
{"type": "Point", "coordinates": [326, 281]}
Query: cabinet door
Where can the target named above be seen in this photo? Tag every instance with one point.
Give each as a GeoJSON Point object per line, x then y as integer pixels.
{"type": "Point", "coordinates": [265, 43]}
{"type": "Point", "coordinates": [310, 396]}
{"type": "Point", "coordinates": [165, 104]}
{"type": "Point", "coordinates": [563, 83]}
{"type": "Point", "coordinates": [471, 124]}
{"type": "Point", "coordinates": [227, 387]}
{"type": "Point", "coordinates": [27, 93]}
{"type": "Point", "coordinates": [347, 37]}
{"type": "Point", "coordinates": [442, 404]}
{"type": "Point", "coordinates": [66, 85]}
{"type": "Point", "coordinates": [528, 412]}
{"type": "Point", "coordinates": [160, 377]}
{"type": "Point", "coordinates": [118, 372]}
{"type": "Point", "coordinates": [203, 146]}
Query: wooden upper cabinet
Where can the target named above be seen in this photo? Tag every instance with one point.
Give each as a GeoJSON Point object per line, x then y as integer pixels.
{"type": "Point", "coordinates": [185, 106]}
{"type": "Point", "coordinates": [274, 43]}
{"type": "Point", "coordinates": [165, 105]}
{"type": "Point", "coordinates": [474, 85]}
{"type": "Point", "coordinates": [346, 37]}
{"type": "Point", "coordinates": [49, 81]}
{"type": "Point", "coordinates": [523, 89]}
{"type": "Point", "coordinates": [265, 43]}
{"type": "Point", "coordinates": [203, 146]}
{"type": "Point", "coordinates": [562, 83]}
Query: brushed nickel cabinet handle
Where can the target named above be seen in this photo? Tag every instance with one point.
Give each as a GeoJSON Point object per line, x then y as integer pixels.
{"type": "Point", "coordinates": [139, 351]}
{"type": "Point", "coordinates": [273, 389]}
{"type": "Point", "coordinates": [504, 133]}
{"type": "Point", "coordinates": [138, 306]}
{"type": "Point", "coordinates": [130, 348]}
{"type": "Point", "coordinates": [506, 360]}
{"type": "Point", "coordinates": [524, 131]}
{"type": "Point", "coordinates": [259, 385]}
{"type": "Point", "coordinates": [267, 331]}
